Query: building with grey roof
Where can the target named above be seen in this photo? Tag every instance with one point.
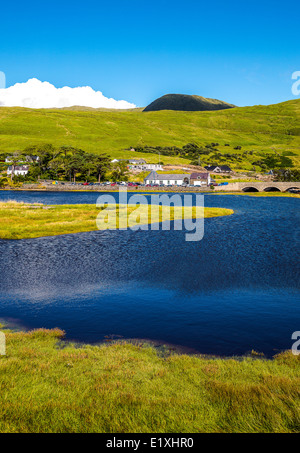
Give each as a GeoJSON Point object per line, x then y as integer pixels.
{"type": "Point", "coordinates": [167, 179]}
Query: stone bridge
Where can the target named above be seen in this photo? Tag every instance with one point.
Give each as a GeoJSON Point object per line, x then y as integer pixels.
{"type": "Point", "coordinates": [259, 186]}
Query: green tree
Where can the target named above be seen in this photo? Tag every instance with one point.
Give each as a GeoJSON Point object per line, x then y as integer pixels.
{"type": "Point", "coordinates": [77, 163]}
{"type": "Point", "coordinates": [120, 171]}
{"type": "Point", "coordinates": [287, 175]}
{"type": "Point", "coordinates": [46, 153]}
{"type": "Point", "coordinates": [3, 182]}
{"type": "Point", "coordinates": [101, 164]}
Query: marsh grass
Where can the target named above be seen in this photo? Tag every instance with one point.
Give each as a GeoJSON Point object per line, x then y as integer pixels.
{"type": "Point", "coordinates": [23, 220]}
{"type": "Point", "coordinates": [51, 386]}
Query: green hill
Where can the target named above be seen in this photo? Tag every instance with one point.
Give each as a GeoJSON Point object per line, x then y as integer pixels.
{"type": "Point", "coordinates": [259, 129]}
{"type": "Point", "coordinates": [186, 103]}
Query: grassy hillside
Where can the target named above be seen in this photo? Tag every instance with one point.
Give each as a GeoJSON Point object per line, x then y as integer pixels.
{"type": "Point", "coordinates": [258, 128]}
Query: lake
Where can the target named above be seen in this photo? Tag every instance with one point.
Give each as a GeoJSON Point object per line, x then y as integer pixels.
{"type": "Point", "coordinates": [235, 290]}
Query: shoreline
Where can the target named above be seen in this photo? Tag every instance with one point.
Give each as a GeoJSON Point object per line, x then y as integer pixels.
{"type": "Point", "coordinates": [150, 190]}
{"type": "Point", "coordinates": [15, 327]}
{"type": "Point", "coordinates": [105, 189]}
{"type": "Point", "coordinates": [50, 385]}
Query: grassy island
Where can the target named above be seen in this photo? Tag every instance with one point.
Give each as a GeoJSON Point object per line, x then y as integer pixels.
{"type": "Point", "coordinates": [31, 220]}
{"type": "Point", "coordinates": [48, 385]}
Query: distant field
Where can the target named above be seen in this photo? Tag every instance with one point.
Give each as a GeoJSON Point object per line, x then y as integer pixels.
{"type": "Point", "coordinates": [260, 128]}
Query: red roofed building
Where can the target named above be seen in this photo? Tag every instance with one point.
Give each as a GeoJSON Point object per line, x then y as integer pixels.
{"type": "Point", "coordinates": [200, 179]}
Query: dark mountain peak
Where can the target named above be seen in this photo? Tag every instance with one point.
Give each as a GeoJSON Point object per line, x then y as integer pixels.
{"type": "Point", "coordinates": [186, 102]}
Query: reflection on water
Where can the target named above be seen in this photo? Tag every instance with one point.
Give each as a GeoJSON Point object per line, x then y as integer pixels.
{"type": "Point", "coordinates": [236, 290]}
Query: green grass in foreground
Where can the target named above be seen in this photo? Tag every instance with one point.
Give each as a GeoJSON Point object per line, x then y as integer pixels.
{"type": "Point", "coordinates": [122, 387]}
{"type": "Point", "coordinates": [21, 220]}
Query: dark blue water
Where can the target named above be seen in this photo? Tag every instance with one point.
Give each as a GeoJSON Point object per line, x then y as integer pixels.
{"type": "Point", "coordinates": [236, 290]}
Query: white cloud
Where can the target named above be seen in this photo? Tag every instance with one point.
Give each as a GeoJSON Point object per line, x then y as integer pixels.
{"type": "Point", "coordinates": [36, 94]}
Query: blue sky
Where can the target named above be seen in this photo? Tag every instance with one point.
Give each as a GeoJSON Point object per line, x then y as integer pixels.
{"type": "Point", "coordinates": [137, 50]}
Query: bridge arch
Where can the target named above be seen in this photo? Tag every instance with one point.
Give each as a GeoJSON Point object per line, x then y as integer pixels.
{"type": "Point", "coordinates": [250, 189]}
{"type": "Point", "coordinates": [292, 188]}
{"type": "Point", "coordinates": [272, 189]}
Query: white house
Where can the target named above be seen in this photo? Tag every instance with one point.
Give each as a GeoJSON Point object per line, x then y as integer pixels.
{"type": "Point", "coordinates": [28, 158]}
{"type": "Point", "coordinates": [32, 159]}
{"type": "Point", "coordinates": [218, 168]}
{"type": "Point", "coordinates": [19, 170]}
{"type": "Point", "coordinates": [130, 161]}
{"type": "Point", "coordinates": [201, 179]}
{"type": "Point", "coordinates": [155, 167]}
{"type": "Point", "coordinates": [167, 180]}
{"type": "Point", "coordinates": [197, 179]}
{"type": "Point", "coordinates": [144, 167]}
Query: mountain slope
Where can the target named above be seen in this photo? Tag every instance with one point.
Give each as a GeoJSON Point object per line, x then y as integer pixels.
{"type": "Point", "coordinates": [186, 103]}
{"type": "Point", "coordinates": [260, 128]}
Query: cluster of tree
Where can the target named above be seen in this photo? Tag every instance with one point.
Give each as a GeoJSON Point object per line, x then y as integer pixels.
{"type": "Point", "coordinates": [119, 171]}
{"type": "Point", "coordinates": [63, 162]}
{"type": "Point", "coordinates": [189, 151]}
{"type": "Point", "coordinates": [273, 161]}
{"type": "Point", "coordinates": [197, 154]}
{"type": "Point", "coordinates": [287, 175]}
{"type": "Point", "coordinates": [224, 157]}
{"type": "Point", "coordinates": [209, 153]}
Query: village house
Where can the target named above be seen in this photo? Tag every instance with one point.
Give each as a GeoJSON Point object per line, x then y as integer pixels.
{"type": "Point", "coordinates": [145, 167]}
{"type": "Point", "coordinates": [195, 179]}
{"type": "Point", "coordinates": [218, 168]}
{"type": "Point", "coordinates": [130, 161]}
{"type": "Point", "coordinates": [167, 179]}
{"type": "Point", "coordinates": [139, 164]}
{"type": "Point", "coordinates": [19, 170]}
{"type": "Point", "coordinates": [200, 179]}
{"type": "Point", "coordinates": [30, 159]}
